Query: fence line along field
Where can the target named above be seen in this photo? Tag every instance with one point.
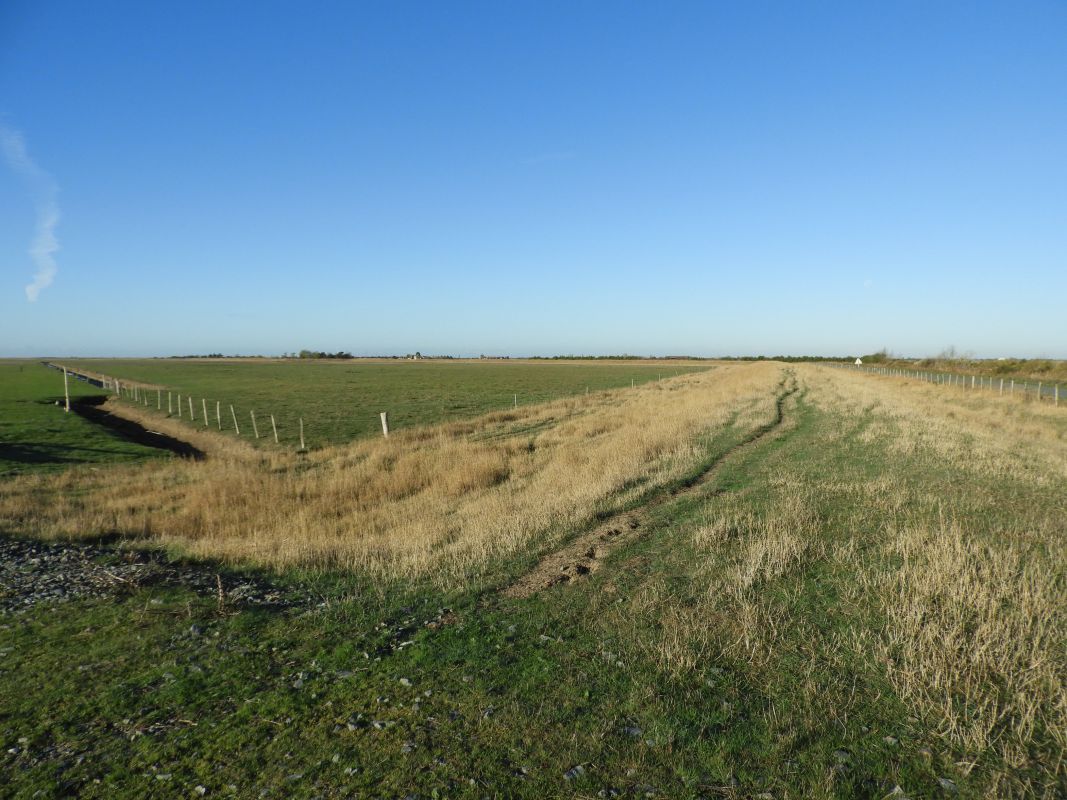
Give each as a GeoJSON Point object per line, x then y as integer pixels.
{"type": "Point", "coordinates": [443, 500]}
{"type": "Point", "coordinates": [36, 436]}
{"type": "Point", "coordinates": [341, 400]}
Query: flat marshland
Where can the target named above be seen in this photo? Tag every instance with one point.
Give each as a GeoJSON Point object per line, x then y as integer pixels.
{"type": "Point", "coordinates": [803, 582]}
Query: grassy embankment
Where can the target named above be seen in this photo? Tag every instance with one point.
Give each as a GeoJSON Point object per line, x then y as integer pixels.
{"type": "Point", "coordinates": [1050, 371]}
{"type": "Point", "coordinates": [445, 500]}
{"type": "Point", "coordinates": [870, 597]}
{"type": "Point", "coordinates": [340, 401]}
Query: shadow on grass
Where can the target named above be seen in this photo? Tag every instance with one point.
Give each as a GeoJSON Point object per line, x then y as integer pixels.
{"type": "Point", "coordinates": [130, 431]}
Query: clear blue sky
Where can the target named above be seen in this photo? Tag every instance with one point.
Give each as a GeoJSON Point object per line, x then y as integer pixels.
{"type": "Point", "coordinates": [533, 178]}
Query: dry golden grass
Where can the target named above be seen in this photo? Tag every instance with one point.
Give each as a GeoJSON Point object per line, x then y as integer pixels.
{"type": "Point", "coordinates": [972, 636]}
{"type": "Point", "coordinates": [975, 631]}
{"type": "Point", "coordinates": [957, 595]}
{"type": "Point", "coordinates": [974, 430]}
{"type": "Point", "coordinates": [442, 501]}
{"type": "Point", "coordinates": [745, 552]}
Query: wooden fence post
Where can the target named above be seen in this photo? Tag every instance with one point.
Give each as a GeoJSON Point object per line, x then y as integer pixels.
{"type": "Point", "coordinates": [274, 428]}
{"type": "Point", "coordinates": [170, 405]}
{"type": "Point", "coordinates": [179, 406]}
{"type": "Point", "coordinates": [385, 423]}
{"type": "Point", "coordinates": [203, 406]}
{"type": "Point", "coordinates": [255, 428]}
{"type": "Point", "coordinates": [192, 417]}
{"type": "Point", "coordinates": [159, 399]}
{"type": "Point", "coordinates": [235, 426]}
{"type": "Point", "coordinates": [66, 392]}
{"type": "Point", "coordinates": [302, 434]}
{"type": "Point", "coordinates": [218, 413]}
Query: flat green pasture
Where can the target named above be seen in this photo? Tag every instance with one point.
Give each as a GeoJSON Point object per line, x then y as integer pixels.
{"type": "Point", "coordinates": [35, 433]}
{"type": "Point", "coordinates": [341, 401]}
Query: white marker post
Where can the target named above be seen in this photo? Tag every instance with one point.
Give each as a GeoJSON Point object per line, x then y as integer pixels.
{"type": "Point", "coordinates": [218, 414]}
{"type": "Point", "coordinates": [170, 405]}
{"type": "Point", "coordinates": [385, 423]}
{"type": "Point", "coordinates": [234, 415]}
{"type": "Point", "coordinates": [274, 428]}
{"type": "Point", "coordinates": [302, 434]}
{"type": "Point", "coordinates": [191, 417]}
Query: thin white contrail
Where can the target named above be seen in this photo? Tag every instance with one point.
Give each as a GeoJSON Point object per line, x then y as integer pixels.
{"type": "Point", "coordinates": [44, 190]}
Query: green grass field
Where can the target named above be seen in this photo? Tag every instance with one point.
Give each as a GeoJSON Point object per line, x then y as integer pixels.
{"type": "Point", "coordinates": [36, 435]}
{"type": "Point", "coordinates": [341, 401]}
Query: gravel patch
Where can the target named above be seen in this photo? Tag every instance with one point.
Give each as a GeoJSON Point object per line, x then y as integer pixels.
{"type": "Point", "coordinates": [34, 573]}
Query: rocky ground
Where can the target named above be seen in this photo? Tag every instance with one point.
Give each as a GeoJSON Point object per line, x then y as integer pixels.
{"type": "Point", "coordinates": [32, 573]}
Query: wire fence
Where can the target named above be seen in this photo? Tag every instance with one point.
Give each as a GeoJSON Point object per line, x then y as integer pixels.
{"type": "Point", "coordinates": [1038, 391]}
{"type": "Point", "coordinates": [207, 413]}
{"type": "Point", "coordinates": [225, 417]}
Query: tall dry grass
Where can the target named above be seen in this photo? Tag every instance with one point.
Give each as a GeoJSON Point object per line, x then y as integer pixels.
{"type": "Point", "coordinates": [974, 601]}
{"type": "Point", "coordinates": [977, 431]}
{"type": "Point", "coordinates": [442, 501]}
{"type": "Point", "coordinates": [974, 635]}
{"type": "Point", "coordinates": [954, 591]}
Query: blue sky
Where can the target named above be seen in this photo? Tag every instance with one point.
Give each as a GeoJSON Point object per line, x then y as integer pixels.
{"type": "Point", "coordinates": [534, 178]}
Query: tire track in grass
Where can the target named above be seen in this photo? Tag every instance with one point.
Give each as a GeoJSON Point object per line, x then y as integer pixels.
{"type": "Point", "coordinates": [585, 554]}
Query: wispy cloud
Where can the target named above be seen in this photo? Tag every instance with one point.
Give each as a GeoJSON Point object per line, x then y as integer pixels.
{"type": "Point", "coordinates": [44, 190]}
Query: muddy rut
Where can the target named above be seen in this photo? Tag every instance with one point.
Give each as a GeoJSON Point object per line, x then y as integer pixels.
{"type": "Point", "coordinates": [585, 554]}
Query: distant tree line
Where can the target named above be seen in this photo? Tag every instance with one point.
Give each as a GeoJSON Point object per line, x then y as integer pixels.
{"type": "Point", "coordinates": [318, 354]}
{"type": "Point", "coordinates": [623, 357]}
{"type": "Point", "coordinates": [790, 359]}
{"type": "Point", "coordinates": [213, 355]}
